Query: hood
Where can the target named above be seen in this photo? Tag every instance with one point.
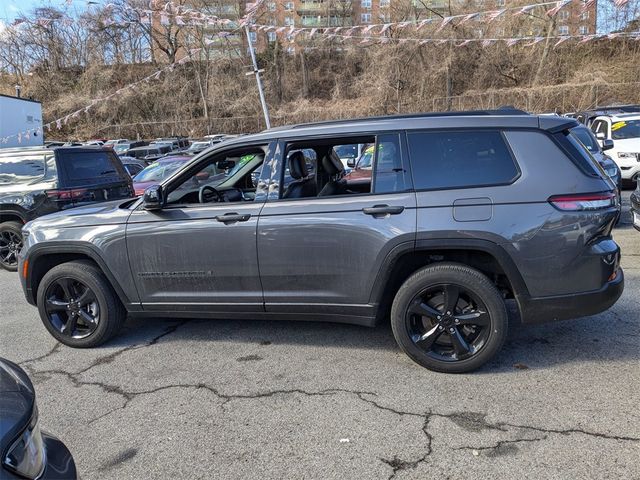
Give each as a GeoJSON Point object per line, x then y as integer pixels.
{"type": "Point", "coordinates": [627, 145]}
{"type": "Point", "coordinates": [106, 213]}
{"type": "Point", "coordinates": [17, 400]}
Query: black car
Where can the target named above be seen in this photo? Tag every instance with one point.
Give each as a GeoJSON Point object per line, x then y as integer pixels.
{"type": "Point", "coordinates": [27, 451]}
{"type": "Point", "coordinates": [150, 153]}
{"type": "Point", "coordinates": [589, 140]}
{"type": "Point", "coordinates": [123, 148]}
{"type": "Point", "coordinates": [37, 181]}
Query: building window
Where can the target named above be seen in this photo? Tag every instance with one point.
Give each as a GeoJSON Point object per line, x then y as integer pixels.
{"type": "Point", "coordinates": [563, 15]}
{"type": "Point", "coordinates": [289, 6]}
{"type": "Point", "coordinates": [288, 21]}
{"type": "Point", "coordinates": [365, 18]}
{"type": "Point", "coordinates": [563, 30]}
{"type": "Point", "coordinates": [384, 3]}
{"type": "Point", "coordinates": [584, 30]}
{"type": "Point", "coordinates": [253, 36]}
{"type": "Point", "coordinates": [291, 50]}
{"type": "Point", "coordinates": [271, 6]}
{"type": "Point", "coordinates": [365, 3]}
{"type": "Point", "coordinates": [385, 17]}
{"type": "Point", "coordinates": [584, 15]}
{"type": "Point", "coordinates": [499, 3]}
{"type": "Point", "coordinates": [272, 36]}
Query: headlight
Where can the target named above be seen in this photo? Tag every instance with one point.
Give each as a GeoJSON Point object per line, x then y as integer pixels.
{"type": "Point", "coordinates": [26, 456]}
{"type": "Point", "coordinates": [611, 171]}
{"type": "Point", "coordinates": [626, 155]}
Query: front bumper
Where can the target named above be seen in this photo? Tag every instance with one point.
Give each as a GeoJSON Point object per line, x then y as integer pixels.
{"type": "Point", "coordinates": [564, 307]}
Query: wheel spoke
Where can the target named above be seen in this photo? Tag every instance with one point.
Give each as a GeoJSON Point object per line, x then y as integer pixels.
{"type": "Point", "coordinates": [54, 305]}
{"type": "Point", "coordinates": [451, 295]}
{"type": "Point", "coordinates": [460, 345]}
{"type": "Point", "coordinates": [67, 287]}
{"type": "Point", "coordinates": [86, 297]}
{"type": "Point", "coordinates": [87, 318]}
{"type": "Point", "coordinates": [426, 340]}
{"type": "Point", "coordinates": [478, 317]}
{"type": "Point", "coordinates": [424, 310]}
{"type": "Point", "coordinates": [70, 326]}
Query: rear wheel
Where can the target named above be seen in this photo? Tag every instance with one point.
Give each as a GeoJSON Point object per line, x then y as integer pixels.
{"type": "Point", "coordinates": [78, 306]}
{"type": "Point", "coordinates": [449, 318]}
{"type": "Point", "coordinates": [10, 245]}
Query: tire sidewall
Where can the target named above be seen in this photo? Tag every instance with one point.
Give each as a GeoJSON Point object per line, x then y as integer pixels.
{"type": "Point", "coordinates": [66, 270]}
{"type": "Point", "coordinates": [478, 284]}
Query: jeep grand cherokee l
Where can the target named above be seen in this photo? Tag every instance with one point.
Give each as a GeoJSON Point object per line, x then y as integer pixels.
{"type": "Point", "coordinates": [35, 181]}
{"type": "Point", "coordinates": [465, 211]}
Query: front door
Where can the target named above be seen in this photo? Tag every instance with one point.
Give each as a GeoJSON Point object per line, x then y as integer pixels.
{"type": "Point", "coordinates": [198, 253]}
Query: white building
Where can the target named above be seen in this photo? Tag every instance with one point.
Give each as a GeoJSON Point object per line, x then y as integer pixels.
{"type": "Point", "coordinates": [20, 122]}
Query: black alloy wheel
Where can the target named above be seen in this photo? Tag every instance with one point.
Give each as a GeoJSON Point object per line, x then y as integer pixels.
{"type": "Point", "coordinates": [449, 318]}
{"type": "Point", "coordinates": [72, 308]}
{"type": "Point", "coordinates": [10, 245]}
{"type": "Point", "coordinates": [448, 322]}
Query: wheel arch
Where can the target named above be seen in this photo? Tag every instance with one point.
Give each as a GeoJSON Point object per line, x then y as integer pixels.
{"type": "Point", "coordinates": [484, 255]}
{"type": "Point", "coordinates": [42, 259]}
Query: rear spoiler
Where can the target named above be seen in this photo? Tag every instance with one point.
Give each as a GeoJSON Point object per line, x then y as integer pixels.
{"type": "Point", "coordinates": [555, 124]}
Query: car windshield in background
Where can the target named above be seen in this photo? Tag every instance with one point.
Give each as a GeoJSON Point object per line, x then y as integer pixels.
{"type": "Point", "coordinates": [22, 168]}
{"type": "Point", "coordinates": [346, 151]}
{"type": "Point", "coordinates": [121, 147]}
{"type": "Point", "coordinates": [198, 146]}
{"type": "Point", "coordinates": [157, 171]}
{"type": "Point", "coordinates": [625, 129]}
{"type": "Point", "coordinates": [586, 138]}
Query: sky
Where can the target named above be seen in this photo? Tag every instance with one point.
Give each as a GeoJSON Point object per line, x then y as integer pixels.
{"type": "Point", "coordinates": [10, 9]}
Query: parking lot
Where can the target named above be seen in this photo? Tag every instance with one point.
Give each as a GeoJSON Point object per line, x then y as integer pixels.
{"type": "Point", "coordinates": [256, 399]}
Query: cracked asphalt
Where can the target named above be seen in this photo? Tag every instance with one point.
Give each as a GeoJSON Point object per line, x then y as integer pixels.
{"type": "Point", "coordinates": [256, 399]}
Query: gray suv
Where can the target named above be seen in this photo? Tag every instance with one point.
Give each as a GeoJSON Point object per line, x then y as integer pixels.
{"type": "Point", "coordinates": [458, 213]}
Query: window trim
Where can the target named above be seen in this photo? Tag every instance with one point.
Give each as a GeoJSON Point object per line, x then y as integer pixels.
{"type": "Point", "coordinates": [499, 130]}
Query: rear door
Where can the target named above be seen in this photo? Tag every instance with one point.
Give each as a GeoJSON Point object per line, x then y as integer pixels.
{"type": "Point", "coordinates": [327, 249]}
{"type": "Point", "coordinates": [93, 175]}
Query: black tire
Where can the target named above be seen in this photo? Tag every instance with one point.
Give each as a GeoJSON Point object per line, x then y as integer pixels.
{"type": "Point", "coordinates": [423, 336]}
{"type": "Point", "coordinates": [105, 307]}
{"type": "Point", "coordinates": [9, 233]}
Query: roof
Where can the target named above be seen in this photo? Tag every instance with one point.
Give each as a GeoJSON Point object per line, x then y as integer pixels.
{"type": "Point", "coordinates": [507, 118]}
{"type": "Point", "coordinates": [20, 98]}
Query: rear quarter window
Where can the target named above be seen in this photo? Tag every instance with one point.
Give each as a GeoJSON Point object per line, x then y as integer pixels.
{"type": "Point", "coordinates": [460, 159]}
{"type": "Point", "coordinates": [85, 168]}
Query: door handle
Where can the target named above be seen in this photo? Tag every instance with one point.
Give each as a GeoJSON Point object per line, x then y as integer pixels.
{"type": "Point", "coordinates": [233, 217]}
{"type": "Point", "coordinates": [383, 210]}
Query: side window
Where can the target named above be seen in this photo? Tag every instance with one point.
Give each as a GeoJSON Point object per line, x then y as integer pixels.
{"type": "Point", "coordinates": [389, 171]}
{"type": "Point", "coordinates": [460, 159]}
{"type": "Point", "coordinates": [221, 178]}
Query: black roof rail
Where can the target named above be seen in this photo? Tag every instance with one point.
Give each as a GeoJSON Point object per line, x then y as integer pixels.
{"type": "Point", "coordinates": [500, 111]}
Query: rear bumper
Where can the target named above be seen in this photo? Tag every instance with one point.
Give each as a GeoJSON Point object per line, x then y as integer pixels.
{"type": "Point", "coordinates": [60, 463]}
{"type": "Point", "coordinates": [563, 307]}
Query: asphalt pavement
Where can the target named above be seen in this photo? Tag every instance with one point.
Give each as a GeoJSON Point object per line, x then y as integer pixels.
{"type": "Point", "coordinates": [256, 399]}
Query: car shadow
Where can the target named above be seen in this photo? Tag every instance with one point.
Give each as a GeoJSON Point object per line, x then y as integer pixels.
{"type": "Point", "coordinates": [608, 337]}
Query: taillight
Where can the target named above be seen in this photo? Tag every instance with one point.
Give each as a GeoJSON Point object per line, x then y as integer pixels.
{"type": "Point", "coordinates": [581, 201]}
{"type": "Point", "coordinates": [62, 195]}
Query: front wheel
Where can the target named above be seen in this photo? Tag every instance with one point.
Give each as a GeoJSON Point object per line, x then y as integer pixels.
{"type": "Point", "coordinates": [449, 318]}
{"type": "Point", "coordinates": [10, 245]}
{"type": "Point", "coordinates": [78, 306]}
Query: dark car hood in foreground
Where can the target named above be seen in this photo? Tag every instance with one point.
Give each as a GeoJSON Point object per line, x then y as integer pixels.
{"type": "Point", "coordinates": [17, 398]}
{"type": "Point", "coordinates": [105, 213]}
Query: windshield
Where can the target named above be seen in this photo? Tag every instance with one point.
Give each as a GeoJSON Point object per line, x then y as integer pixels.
{"type": "Point", "coordinates": [122, 147]}
{"type": "Point", "coordinates": [243, 161]}
{"type": "Point", "coordinates": [366, 158]}
{"type": "Point", "coordinates": [625, 129]}
{"type": "Point", "coordinates": [157, 171]}
{"type": "Point", "coordinates": [346, 151]}
{"type": "Point", "coordinates": [22, 168]}
{"type": "Point", "coordinates": [586, 138]}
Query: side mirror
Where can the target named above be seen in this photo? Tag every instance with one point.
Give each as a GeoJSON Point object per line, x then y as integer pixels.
{"type": "Point", "coordinates": [607, 144]}
{"type": "Point", "coordinates": [600, 136]}
{"type": "Point", "coordinates": [153, 198]}
{"type": "Point", "coordinates": [351, 163]}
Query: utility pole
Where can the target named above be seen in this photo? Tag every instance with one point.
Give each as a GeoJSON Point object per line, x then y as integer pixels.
{"type": "Point", "coordinates": [256, 72]}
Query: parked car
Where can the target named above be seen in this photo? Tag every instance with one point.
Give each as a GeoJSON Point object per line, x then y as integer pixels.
{"type": "Point", "coordinates": [123, 148]}
{"type": "Point", "coordinates": [178, 142]}
{"type": "Point", "coordinates": [635, 206]}
{"type": "Point", "coordinates": [149, 153]}
{"type": "Point", "coordinates": [589, 140]}
{"type": "Point", "coordinates": [156, 172]}
{"type": "Point", "coordinates": [463, 211]}
{"type": "Point", "coordinates": [198, 146]}
{"type": "Point", "coordinates": [133, 166]}
{"type": "Point", "coordinates": [118, 141]}
{"type": "Point", "coordinates": [27, 451]}
{"type": "Point", "coordinates": [36, 181]}
{"type": "Point", "coordinates": [624, 130]}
